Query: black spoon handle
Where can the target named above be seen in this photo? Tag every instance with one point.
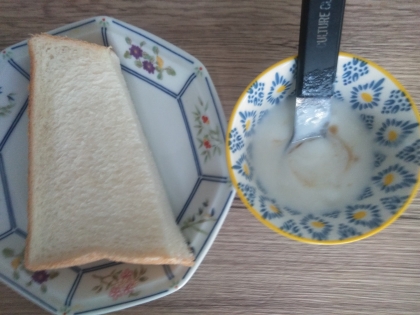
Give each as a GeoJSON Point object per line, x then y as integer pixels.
{"type": "Point", "coordinates": [319, 44]}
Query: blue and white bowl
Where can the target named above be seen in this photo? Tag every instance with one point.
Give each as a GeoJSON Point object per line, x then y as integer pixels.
{"type": "Point", "coordinates": [385, 107]}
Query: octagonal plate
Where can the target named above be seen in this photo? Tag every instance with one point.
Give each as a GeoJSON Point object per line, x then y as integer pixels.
{"type": "Point", "coordinates": [183, 119]}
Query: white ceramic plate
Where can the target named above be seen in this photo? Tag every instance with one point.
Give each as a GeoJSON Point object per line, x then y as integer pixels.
{"type": "Point", "coordinates": [185, 125]}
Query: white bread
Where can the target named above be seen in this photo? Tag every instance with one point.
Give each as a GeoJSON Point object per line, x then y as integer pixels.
{"type": "Point", "coordinates": [94, 188]}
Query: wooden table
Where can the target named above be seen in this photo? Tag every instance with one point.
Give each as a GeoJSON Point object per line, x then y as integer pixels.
{"type": "Point", "coordinates": [250, 269]}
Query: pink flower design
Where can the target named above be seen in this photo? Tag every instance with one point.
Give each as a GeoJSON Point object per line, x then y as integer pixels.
{"type": "Point", "coordinates": [205, 119]}
{"type": "Point", "coordinates": [124, 286]}
{"type": "Point", "coordinates": [115, 292]}
{"type": "Point", "coordinates": [120, 283]}
{"type": "Point", "coordinates": [128, 287]}
{"type": "Point", "coordinates": [207, 144]}
{"type": "Point", "coordinates": [126, 274]}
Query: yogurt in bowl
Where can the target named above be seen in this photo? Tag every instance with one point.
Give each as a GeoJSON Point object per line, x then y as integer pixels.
{"type": "Point", "coordinates": [318, 175]}
{"type": "Point", "coordinates": [342, 188]}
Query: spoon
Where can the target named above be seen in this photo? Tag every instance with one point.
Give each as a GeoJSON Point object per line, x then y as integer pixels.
{"type": "Point", "coordinates": [319, 44]}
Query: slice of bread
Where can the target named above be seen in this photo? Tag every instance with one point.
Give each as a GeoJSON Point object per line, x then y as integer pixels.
{"type": "Point", "coordinates": [94, 188]}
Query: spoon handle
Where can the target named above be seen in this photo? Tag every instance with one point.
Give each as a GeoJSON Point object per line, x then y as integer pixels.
{"type": "Point", "coordinates": [319, 44]}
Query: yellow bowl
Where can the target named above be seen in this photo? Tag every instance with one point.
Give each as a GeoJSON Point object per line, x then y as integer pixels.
{"type": "Point", "coordinates": [385, 107]}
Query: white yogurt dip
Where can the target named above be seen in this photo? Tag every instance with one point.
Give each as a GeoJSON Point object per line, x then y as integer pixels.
{"type": "Point", "coordinates": [319, 175]}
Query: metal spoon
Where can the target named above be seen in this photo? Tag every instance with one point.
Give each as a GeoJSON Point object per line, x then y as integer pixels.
{"type": "Point", "coordinates": [319, 44]}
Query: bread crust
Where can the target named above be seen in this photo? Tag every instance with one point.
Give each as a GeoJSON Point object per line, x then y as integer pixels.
{"type": "Point", "coordinates": [30, 144]}
{"type": "Point", "coordinates": [94, 255]}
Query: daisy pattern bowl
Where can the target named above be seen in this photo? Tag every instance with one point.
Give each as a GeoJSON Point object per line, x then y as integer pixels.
{"type": "Point", "coordinates": [389, 114]}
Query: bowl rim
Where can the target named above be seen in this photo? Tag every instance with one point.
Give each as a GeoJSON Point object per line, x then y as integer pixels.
{"type": "Point", "coordinates": [279, 230]}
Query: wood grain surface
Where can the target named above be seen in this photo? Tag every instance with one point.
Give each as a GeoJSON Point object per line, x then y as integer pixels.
{"type": "Point", "coordinates": [250, 269]}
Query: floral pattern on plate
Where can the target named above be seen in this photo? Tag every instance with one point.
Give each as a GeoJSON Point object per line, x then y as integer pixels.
{"type": "Point", "coordinates": [149, 62]}
{"type": "Point", "coordinates": [37, 278]}
{"type": "Point", "coordinates": [6, 108]}
{"type": "Point", "coordinates": [120, 283]}
{"type": "Point", "coordinates": [6, 54]}
{"type": "Point", "coordinates": [208, 133]}
{"type": "Point", "coordinates": [195, 223]}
